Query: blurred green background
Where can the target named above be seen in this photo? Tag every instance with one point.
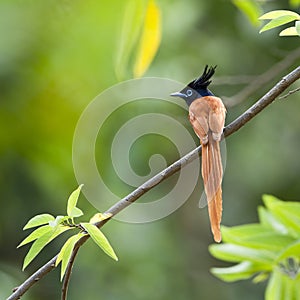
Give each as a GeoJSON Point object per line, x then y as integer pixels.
{"type": "Point", "coordinates": [55, 57]}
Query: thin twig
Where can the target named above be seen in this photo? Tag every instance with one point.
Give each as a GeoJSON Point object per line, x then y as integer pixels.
{"type": "Point", "coordinates": [65, 285]}
{"type": "Point", "coordinates": [234, 126]}
{"type": "Point", "coordinates": [263, 102]}
{"type": "Point", "coordinates": [290, 93]}
{"type": "Point", "coordinates": [263, 79]}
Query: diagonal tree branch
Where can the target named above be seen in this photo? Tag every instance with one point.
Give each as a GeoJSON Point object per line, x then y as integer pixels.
{"type": "Point", "coordinates": [263, 102]}
{"type": "Point", "coordinates": [234, 126]}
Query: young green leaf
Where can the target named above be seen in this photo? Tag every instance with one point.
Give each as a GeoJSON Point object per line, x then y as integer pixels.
{"type": "Point", "coordinates": [268, 220]}
{"type": "Point", "coordinates": [287, 212]}
{"type": "Point", "coordinates": [281, 286]}
{"type": "Point", "coordinates": [270, 200]}
{"type": "Point", "coordinates": [262, 276]}
{"type": "Point", "coordinates": [150, 39]}
{"type": "Point", "coordinates": [65, 253]}
{"type": "Point", "coordinates": [76, 212]}
{"type": "Point", "coordinates": [38, 220]}
{"type": "Point", "coordinates": [265, 248]}
{"type": "Point", "coordinates": [72, 201]}
{"type": "Point", "coordinates": [237, 253]}
{"type": "Point", "coordinates": [58, 220]}
{"type": "Point", "coordinates": [256, 236]}
{"type": "Point", "coordinates": [274, 288]}
{"type": "Point", "coordinates": [278, 13]}
{"type": "Point", "coordinates": [241, 271]}
{"type": "Point", "coordinates": [288, 291]}
{"type": "Point", "coordinates": [100, 239]}
{"type": "Point", "coordinates": [296, 287]}
{"type": "Point", "coordinates": [37, 233]}
{"type": "Point", "coordinates": [278, 22]}
{"type": "Point", "coordinates": [293, 250]}
{"type": "Point", "coordinates": [41, 242]}
{"type": "Point", "coordinates": [290, 31]}
{"type": "Point", "coordinates": [242, 231]}
{"type": "Point", "coordinates": [298, 27]}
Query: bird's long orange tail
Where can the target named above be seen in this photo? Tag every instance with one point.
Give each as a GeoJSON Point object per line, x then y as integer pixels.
{"type": "Point", "coordinates": [212, 173]}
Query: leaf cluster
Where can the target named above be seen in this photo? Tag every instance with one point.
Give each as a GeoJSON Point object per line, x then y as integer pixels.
{"type": "Point", "coordinates": [282, 17]}
{"type": "Point", "coordinates": [50, 227]}
{"type": "Point", "coordinates": [268, 249]}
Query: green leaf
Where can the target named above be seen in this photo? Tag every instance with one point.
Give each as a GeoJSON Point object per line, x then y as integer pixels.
{"type": "Point", "coordinates": [281, 286]}
{"type": "Point", "coordinates": [58, 220]}
{"type": "Point", "coordinates": [76, 212]}
{"type": "Point", "coordinates": [38, 220]}
{"type": "Point", "coordinates": [275, 287]}
{"type": "Point", "coordinates": [241, 271]}
{"type": "Point", "coordinates": [65, 253]}
{"type": "Point", "coordinates": [131, 26]}
{"type": "Point", "coordinates": [270, 201]}
{"type": "Point", "coordinates": [278, 13]}
{"type": "Point", "coordinates": [265, 248]}
{"type": "Point", "coordinates": [298, 27]}
{"type": "Point", "coordinates": [288, 287]}
{"type": "Point", "coordinates": [278, 22]}
{"type": "Point", "coordinates": [292, 250]}
{"type": "Point", "coordinates": [250, 8]}
{"type": "Point", "coordinates": [296, 288]}
{"type": "Point", "coordinates": [256, 236]}
{"type": "Point", "coordinates": [100, 239]}
{"type": "Point", "coordinates": [242, 232]}
{"type": "Point", "coordinates": [41, 242]}
{"type": "Point", "coordinates": [37, 233]}
{"type": "Point", "coordinates": [150, 39]}
{"type": "Point", "coordinates": [290, 31]}
{"type": "Point", "coordinates": [72, 201]}
{"type": "Point", "coordinates": [237, 253]}
{"type": "Point", "coordinates": [267, 219]}
{"type": "Point", "coordinates": [260, 277]}
{"type": "Point", "coordinates": [287, 212]}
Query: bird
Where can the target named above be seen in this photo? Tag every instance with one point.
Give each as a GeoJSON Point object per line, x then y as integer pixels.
{"type": "Point", "coordinates": [207, 116]}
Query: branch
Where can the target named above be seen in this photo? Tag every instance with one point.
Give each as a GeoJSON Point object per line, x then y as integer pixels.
{"type": "Point", "coordinates": [263, 79]}
{"type": "Point", "coordinates": [64, 290]}
{"type": "Point", "coordinates": [263, 102]}
{"type": "Point", "coordinates": [290, 93]}
{"type": "Point", "coordinates": [34, 278]}
{"type": "Point", "coordinates": [234, 126]}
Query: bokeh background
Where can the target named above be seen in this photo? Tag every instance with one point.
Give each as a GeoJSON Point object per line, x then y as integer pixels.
{"type": "Point", "coordinates": [55, 57]}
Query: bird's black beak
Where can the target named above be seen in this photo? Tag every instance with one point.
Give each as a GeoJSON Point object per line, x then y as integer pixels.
{"type": "Point", "coordinates": [178, 94]}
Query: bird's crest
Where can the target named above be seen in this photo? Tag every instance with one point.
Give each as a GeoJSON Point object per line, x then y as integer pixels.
{"type": "Point", "coordinates": [203, 81]}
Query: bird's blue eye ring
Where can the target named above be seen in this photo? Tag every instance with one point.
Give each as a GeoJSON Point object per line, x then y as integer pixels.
{"type": "Point", "coordinates": [189, 92]}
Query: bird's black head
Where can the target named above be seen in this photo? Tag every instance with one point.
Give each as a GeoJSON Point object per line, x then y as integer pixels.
{"type": "Point", "coordinates": [198, 87]}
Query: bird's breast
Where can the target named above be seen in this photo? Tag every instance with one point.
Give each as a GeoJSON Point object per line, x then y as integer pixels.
{"type": "Point", "coordinates": [206, 105]}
